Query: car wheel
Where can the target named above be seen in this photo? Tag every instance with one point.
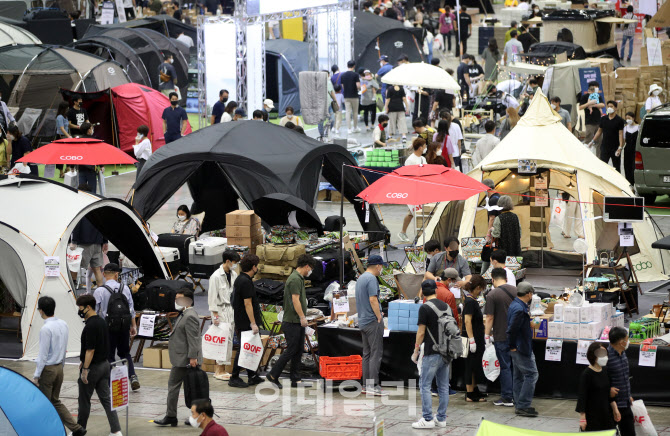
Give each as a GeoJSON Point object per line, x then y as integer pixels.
{"type": "Point", "coordinates": [649, 199]}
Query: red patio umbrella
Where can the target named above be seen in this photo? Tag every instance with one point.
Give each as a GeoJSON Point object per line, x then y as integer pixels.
{"type": "Point", "coordinates": [422, 184]}
{"type": "Point", "coordinates": [78, 151]}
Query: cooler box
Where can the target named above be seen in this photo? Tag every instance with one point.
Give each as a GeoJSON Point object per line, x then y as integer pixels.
{"type": "Point", "coordinates": [205, 256]}
{"type": "Point", "coordinates": [170, 255]}
{"type": "Point", "coordinates": [180, 242]}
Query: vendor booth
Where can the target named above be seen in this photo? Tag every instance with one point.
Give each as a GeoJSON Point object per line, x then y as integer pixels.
{"type": "Point", "coordinates": [33, 249]}
{"type": "Point", "coordinates": [246, 160]}
{"type": "Point", "coordinates": [284, 60]}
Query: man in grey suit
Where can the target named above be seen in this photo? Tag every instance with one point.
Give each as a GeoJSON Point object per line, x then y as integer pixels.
{"type": "Point", "coordinates": [185, 348]}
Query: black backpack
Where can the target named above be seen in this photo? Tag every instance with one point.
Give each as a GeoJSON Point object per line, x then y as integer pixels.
{"type": "Point", "coordinates": [118, 311]}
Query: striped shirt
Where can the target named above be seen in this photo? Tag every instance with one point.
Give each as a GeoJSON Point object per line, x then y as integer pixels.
{"type": "Point", "coordinates": [629, 29]}
{"type": "Point", "coordinates": [618, 372]}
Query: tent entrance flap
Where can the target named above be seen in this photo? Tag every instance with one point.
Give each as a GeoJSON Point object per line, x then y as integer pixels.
{"type": "Point", "coordinates": [213, 194]}
{"type": "Point", "coordinates": [12, 278]}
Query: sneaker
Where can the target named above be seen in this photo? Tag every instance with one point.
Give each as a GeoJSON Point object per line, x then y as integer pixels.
{"type": "Point", "coordinates": [357, 130]}
{"type": "Point", "coordinates": [434, 393]}
{"type": "Point", "coordinates": [236, 382]}
{"type": "Point", "coordinates": [452, 392]}
{"type": "Point", "coordinates": [224, 377]}
{"type": "Point", "coordinates": [442, 424]}
{"type": "Point", "coordinates": [297, 383]}
{"type": "Point", "coordinates": [118, 433]}
{"type": "Point", "coordinates": [504, 402]}
{"type": "Point", "coordinates": [80, 432]}
{"type": "Point", "coordinates": [274, 381]}
{"type": "Point", "coordinates": [377, 391]}
{"type": "Point", "coordinates": [422, 423]}
{"type": "Point", "coordinates": [527, 413]}
{"type": "Point", "coordinates": [134, 382]}
{"type": "Point", "coordinates": [350, 131]}
{"type": "Point", "coordinates": [404, 139]}
{"type": "Point", "coordinates": [256, 380]}
{"type": "Point", "coordinates": [403, 237]}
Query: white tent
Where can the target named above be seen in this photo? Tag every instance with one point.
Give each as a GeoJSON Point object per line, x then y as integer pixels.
{"type": "Point", "coordinates": [12, 35]}
{"type": "Point", "coordinates": [38, 224]}
{"type": "Point", "coordinates": [570, 168]}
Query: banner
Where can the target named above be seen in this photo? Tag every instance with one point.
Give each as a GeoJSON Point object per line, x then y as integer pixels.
{"type": "Point", "coordinates": [118, 386]}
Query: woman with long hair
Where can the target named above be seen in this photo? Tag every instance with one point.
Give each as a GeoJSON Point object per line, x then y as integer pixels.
{"type": "Point", "coordinates": [434, 155]}
{"type": "Point", "coordinates": [491, 57]}
{"type": "Point", "coordinates": [229, 112]}
{"type": "Point", "coordinates": [510, 122]}
{"type": "Point", "coordinates": [473, 329]}
{"type": "Point", "coordinates": [446, 147]}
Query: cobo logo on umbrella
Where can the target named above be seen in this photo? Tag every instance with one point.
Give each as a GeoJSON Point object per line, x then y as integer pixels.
{"type": "Point", "coordinates": [397, 195]}
{"type": "Point", "coordinates": [72, 157]}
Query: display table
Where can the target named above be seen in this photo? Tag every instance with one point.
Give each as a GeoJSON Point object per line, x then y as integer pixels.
{"type": "Point", "coordinates": [556, 379]}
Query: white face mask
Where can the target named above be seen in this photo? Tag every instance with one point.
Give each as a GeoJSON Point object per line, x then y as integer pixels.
{"type": "Point", "coordinates": [181, 217]}
{"type": "Point", "coordinates": [178, 307]}
{"type": "Point", "coordinates": [602, 361]}
{"type": "Point", "coordinates": [310, 272]}
{"type": "Point", "coordinates": [629, 121]}
{"type": "Point", "coordinates": [627, 344]}
{"type": "Point", "coordinates": [439, 152]}
{"type": "Point", "coordinates": [139, 136]}
{"type": "Point", "coordinates": [610, 110]}
{"type": "Point", "coordinates": [171, 61]}
{"type": "Point", "coordinates": [553, 106]}
{"type": "Point", "coordinates": [655, 93]}
{"type": "Point", "coordinates": [289, 116]}
{"type": "Point", "coordinates": [193, 421]}
{"type": "Point", "coordinates": [10, 137]}
{"type": "Point", "coordinates": [596, 90]}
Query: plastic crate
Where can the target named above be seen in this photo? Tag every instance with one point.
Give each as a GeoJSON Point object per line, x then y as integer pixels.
{"type": "Point", "coordinates": [341, 368]}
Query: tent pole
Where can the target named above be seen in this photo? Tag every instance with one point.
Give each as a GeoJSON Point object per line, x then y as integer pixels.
{"type": "Point", "coordinates": [542, 239]}
{"type": "Point", "coordinates": [342, 227]}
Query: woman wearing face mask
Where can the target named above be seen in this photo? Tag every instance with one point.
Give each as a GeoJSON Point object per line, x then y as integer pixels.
{"type": "Point", "coordinates": [142, 148]}
{"type": "Point", "coordinates": [185, 224]}
{"type": "Point", "coordinates": [379, 135]}
{"type": "Point", "coordinates": [434, 155]}
{"type": "Point", "coordinates": [597, 409]}
{"type": "Point", "coordinates": [653, 100]}
{"type": "Point", "coordinates": [290, 116]}
{"type": "Point", "coordinates": [630, 132]}
{"type": "Point", "coordinates": [229, 111]}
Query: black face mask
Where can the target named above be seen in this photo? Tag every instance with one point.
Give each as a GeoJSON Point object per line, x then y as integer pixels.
{"type": "Point", "coordinates": [174, 103]}
{"type": "Point", "coordinates": [385, 125]}
{"type": "Point", "coordinates": [225, 99]}
{"type": "Point", "coordinates": [82, 313]}
{"type": "Point", "coordinates": [453, 253]}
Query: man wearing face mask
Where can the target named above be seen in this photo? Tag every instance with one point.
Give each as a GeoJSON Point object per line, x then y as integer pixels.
{"type": "Point", "coordinates": [611, 129]}
{"type": "Point", "coordinates": [520, 340]}
{"type": "Point", "coordinates": [592, 114]}
{"type": "Point", "coordinates": [185, 349]}
{"type": "Point", "coordinates": [167, 75]}
{"type": "Point", "coordinates": [218, 108]}
{"type": "Point", "coordinates": [202, 414]}
{"type": "Point", "coordinates": [94, 367]}
{"type": "Point", "coordinates": [449, 259]}
{"type": "Point", "coordinates": [174, 119]}
{"type": "Point", "coordinates": [379, 133]}
{"type": "Point", "coordinates": [294, 322]}
{"type": "Point", "coordinates": [619, 374]}
{"type": "Point", "coordinates": [565, 115]}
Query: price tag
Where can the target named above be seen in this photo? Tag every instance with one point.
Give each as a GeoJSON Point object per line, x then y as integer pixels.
{"type": "Point", "coordinates": [582, 348]}
{"type": "Point", "coordinates": [647, 355]}
{"type": "Point", "coordinates": [554, 350]}
{"type": "Point", "coordinates": [456, 291]}
{"type": "Point", "coordinates": [147, 324]}
{"type": "Point", "coordinates": [626, 240]}
{"type": "Point", "coordinates": [107, 16]}
{"type": "Point", "coordinates": [341, 305]}
{"type": "Point", "coordinates": [118, 386]}
{"type": "Point", "coordinates": [51, 266]}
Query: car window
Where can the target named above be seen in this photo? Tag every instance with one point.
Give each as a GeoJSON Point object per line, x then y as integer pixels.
{"type": "Point", "coordinates": [655, 133]}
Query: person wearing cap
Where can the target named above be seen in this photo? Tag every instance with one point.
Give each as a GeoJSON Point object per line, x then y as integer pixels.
{"type": "Point", "coordinates": [385, 67]}
{"type": "Point", "coordinates": [370, 323]}
{"type": "Point", "coordinates": [520, 340]}
{"type": "Point", "coordinates": [433, 366]}
{"type": "Point", "coordinates": [50, 360]}
{"type": "Point", "coordinates": [119, 339]}
{"type": "Point", "coordinates": [174, 117]}
{"type": "Point", "coordinates": [219, 107]}
{"type": "Point", "coordinates": [185, 349]}
{"type": "Point", "coordinates": [653, 100]}
{"type": "Point", "coordinates": [268, 106]}
{"type": "Point", "coordinates": [240, 114]}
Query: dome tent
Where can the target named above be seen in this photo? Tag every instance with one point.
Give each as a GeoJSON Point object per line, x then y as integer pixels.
{"type": "Point", "coordinates": [26, 238]}
{"type": "Point", "coordinates": [13, 35]}
{"type": "Point", "coordinates": [284, 60]}
{"type": "Point", "coordinates": [34, 73]}
{"type": "Point", "coordinates": [246, 160]}
{"type": "Point", "coordinates": [570, 168]}
{"type": "Point", "coordinates": [163, 23]}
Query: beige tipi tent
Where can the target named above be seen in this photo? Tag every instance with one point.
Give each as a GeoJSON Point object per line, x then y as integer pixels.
{"type": "Point", "coordinates": [568, 167]}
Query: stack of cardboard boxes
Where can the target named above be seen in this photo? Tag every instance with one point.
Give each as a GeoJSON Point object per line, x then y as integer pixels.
{"type": "Point", "coordinates": [632, 87]}
{"type": "Point", "coordinates": [243, 227]}
{"type": "Point", "coordinates": [607, 75]}
{"type": "Point", "coordinates": [157, 356]}
{"type": "Point", "coordinates": [585, 322]}
{"type": "Point", "coordinates": [404, 315]}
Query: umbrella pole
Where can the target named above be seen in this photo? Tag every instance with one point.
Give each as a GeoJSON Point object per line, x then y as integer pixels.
{"type": "Point", "coordinates": [418, 112]}
{"type": "Point", "coordinates": [342, 228]}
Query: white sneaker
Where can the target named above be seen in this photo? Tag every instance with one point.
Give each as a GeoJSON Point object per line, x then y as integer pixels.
{"type": "Point", "coordinates": [442, 424]}
{"type": "Point", "coordinates": [377, 390]}
{"type": "Point", "coordinates": [357, 130]}
{"type": "Point", "coordinates": [403, 237]}
{"type": "Point", "coordinates": [118, 433]}
{"type": "Point", "coordinates": [422, 423]}
{"type": "Point", "coordinates": [350, 131]}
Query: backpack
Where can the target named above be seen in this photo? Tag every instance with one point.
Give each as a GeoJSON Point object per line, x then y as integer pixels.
{"type": "Point", "coordinates": [118, 311]}
{"type": "Point", "coordinates": [449, 343]}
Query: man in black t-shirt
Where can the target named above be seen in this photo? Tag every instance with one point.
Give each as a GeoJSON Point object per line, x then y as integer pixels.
{"type": "Point", "coordinates": [351, 84]}
{"type": "Point", "coordinates": [611, 129]}
{"type": "Point", "coordinates": [247, 313]}
{"type": "Point", "coordinates": [591, 103]}
{"type": "Point", "coordinates": [433, 365]}
{"type": "Point", "coordinates": [77, 116]}
{"type": "Point", "coordinates": [525, 38]}
{"type": "Point", "coordinates": [94, 366]}
{"type": "Point", "coordinates": [464, 29]}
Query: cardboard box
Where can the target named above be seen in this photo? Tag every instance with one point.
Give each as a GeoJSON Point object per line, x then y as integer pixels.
{"type": "Point", "coordinates": [571, 314]}
{"type": "Point", "coordinates": [606, 65]}
{"type": "Point", "coordinates": [208, 368]}
{"type": "Point", "coordinates": [555, 329]}
{"type": "Point", "coordinates": [586, 314]}
{"type": "Point", "coordinates": [558, 311]}
{"type": "Point", "coordinates": [243, 231]}
{"type": "Point", "coordinates": [590, 330]}
{"type": "Point", "coordinates": [571, 331]}
{"type": "Point", "coordinates": [242, 218]}
{"type": "Point", "coordinates": [152, 357]}
{"type": "Point", "coordinates": [251, 242]}
{"type": "Point", "coordinates": [165, 359]}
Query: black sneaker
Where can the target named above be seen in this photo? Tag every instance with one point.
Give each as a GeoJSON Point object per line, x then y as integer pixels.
{"type": "Point", "coordinates": [255, 380]}
{"type": "Point", "coordinates": [528, 413]}
{"type": "Point", "coordinates": [237, 383]}
{"type": "Point", "coordinates": [296, 383]}
{"type": "Point", "coordinates": [134, 382]}
{"type": "Point", "coordinates": [80, 432]}
{"type": "Point", "coordinates": [274, 381]}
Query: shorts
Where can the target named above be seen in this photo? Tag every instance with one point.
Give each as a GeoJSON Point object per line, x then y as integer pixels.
{"type": "Point", "coordinates": [91, 256]}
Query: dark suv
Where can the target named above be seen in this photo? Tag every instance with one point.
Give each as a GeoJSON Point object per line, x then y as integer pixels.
{"type": "Point", "coordinates": [652, 155]}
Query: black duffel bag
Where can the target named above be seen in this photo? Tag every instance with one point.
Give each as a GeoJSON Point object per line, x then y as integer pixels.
{"type": "Point", "coordinates": [329, 270]}
{"type": "Point", "coordinates": [269, 291]}
{"type": "Point", "coordinates": [160, 294]}
{"type": "Point", "coordinates": [602, 297]}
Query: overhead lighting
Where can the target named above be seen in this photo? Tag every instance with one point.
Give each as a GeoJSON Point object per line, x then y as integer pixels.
{"type": "Point", "coordinates": [570, 185]}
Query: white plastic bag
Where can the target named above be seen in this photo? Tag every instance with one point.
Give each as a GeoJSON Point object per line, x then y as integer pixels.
{"type": "Point", "coordinates": [251, 350]}
{"type": "Point", "coordinates": [74, 258]}
{"type": "Point", "coordinates": [490, 363]}
{"type": "Point", "coordinates": [536, 308]}
{"type": "Point", "coordinates": [328, 295]}
{"type": "Point", "coordinates": [558, 213]}
{"type": "Point", "coordinates": [217, 342]}
{"type": "Point", "coordinates": [642, 420]}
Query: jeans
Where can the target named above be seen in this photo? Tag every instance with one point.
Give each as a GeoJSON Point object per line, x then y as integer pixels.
{"type": "Point", "coordinates": [373, 345]}
{"type": "Point", "coordinates": [119, 342]}
{"type": "Point", "coordinates": [90, 177]}
{"type": "Point", "coordinates": [351, 106]}
{"type": "Point", "coordinates": [434, 367]}
{"type": "Point", "coordinates": [98, 381]}
{"type": "Point", "coordinates": [295, 343]}
{"type": "Point", "coordinates": [447, 41]}
{"type": "Point", "coordinates": [370, 109]}
{"type": "Point", "coordinates": [502, 351]}
{"type": "Point", "coordinates": [525, 377]}
{"type": "Point", "coordinates": [630, 40]}
{"type": "Point", "coordinates": [430, 51]}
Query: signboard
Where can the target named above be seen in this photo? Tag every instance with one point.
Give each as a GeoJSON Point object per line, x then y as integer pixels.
{"type": "Point", "coordinates": [587, 75]}
{"type": "Point", "coordinates": [582, 348]}
{"type": "Point", "coordinates": [147, 324]}
{"type": "Point", "coordinates": [554, 350]}
{"type": "Point", "coordinates": [654, 52]}
{"type": "Point", "coordinates": [51, 266]}
{"type": "Point", "coordinates": [118, 386]}
{"type": "Point", "coordinates": [107, 16]}
{"type": "Point", "coordinates": [341, 305]}
{"type": "Point", "coordinates": [541, 197]}
{"type": "Point", "coordinates": [527, 166]}
{"type": "Point", "coordinates": [648, 355]}
{"type": "Point", "coordinates": [121, 11]}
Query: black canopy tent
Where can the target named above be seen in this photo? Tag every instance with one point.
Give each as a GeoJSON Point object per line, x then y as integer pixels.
{"type": "Point", "coordinates": [246, 160]}
{"type": "Point", "coordinates": [375, 36]}
{"type": "Point", "coordinates": [163, 23]}
{"type": "Point", "coordinates": [284, 60]}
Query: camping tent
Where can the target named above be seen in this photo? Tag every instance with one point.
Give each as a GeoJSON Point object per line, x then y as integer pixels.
{"type": "Point", "coordinates": [569, 168]}
{"type": "Point", "coordinates": [12, 35]}
{"type": "Point", "coordinates": [126, 107]}
{"type": "Point", "coordinates": [19, 400]}
{"type": "Point", "coordinates": [12, 10]}
{"type": "Point", "coordinates": [26, 238]}
{"type": "Point", "coordinates": [375, 36]}
{"type": "Point", "coordinates": [246, 160]}
{"type": "Point", "coordinates": [114, 49]}
{"type": "Point", "coordinates": [163, 23]}
{"type": "Point", "coordinates": [284, 60]}
{"type": "Point", "coordinates": [34, 73]}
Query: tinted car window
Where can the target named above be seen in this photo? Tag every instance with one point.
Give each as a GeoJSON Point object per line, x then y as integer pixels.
{"type": "Point", "coordinates": [655, 133]}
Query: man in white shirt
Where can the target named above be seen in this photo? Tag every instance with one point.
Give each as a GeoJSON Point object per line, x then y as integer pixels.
{"type": "Point", "coordinates": [486, 144]}
{"type": "Point", "coordinates": [49, 372]}
{"type": "Point", "coordinates": [185, 39]}
{"type": "Point", "coordinates": [498, 258]}
{"type": "Point", "coordinates": [142, 148]}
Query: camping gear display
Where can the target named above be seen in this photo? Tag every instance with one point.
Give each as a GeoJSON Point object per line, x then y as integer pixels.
{"type": "Point", "coordinates": [82, 151]}
{"type": "Point", "coordinates": [490, 363]}
{"type": "Point", "coordinates": [642, 419]}
{"type": "Point", "coordinates": [204, 256]}
{"type": "Point", "coordinates": [382, 158]}
{"type": "Point", "coordinates": [180, 242]}
{"type": "Point", "coordinates": [276, 208]}
{"type": "Point", "coordinates": [251, 350]}
{"type": "Point", "coordinates": [280, 255]}
{"type": "Point", "coordinates": [330, 267]}
{"type": "Point", "coordinates": [196, 385]}
{"type": "Point", "coordinates": [274, 272]}
{"type": "Point", "coordinates": [161, 294]}
{"type": "Point", "coordinates": [282, 235]}
{"type": "Point", "coordinates": [170, 256]}
{"type": "Point", "coordinates": [269, 291]}
{"type": "Point", "coordinates": [217, 342]}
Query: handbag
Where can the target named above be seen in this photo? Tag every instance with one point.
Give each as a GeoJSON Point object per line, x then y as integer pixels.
{"type": "Point", "coordinates": [334, 106]}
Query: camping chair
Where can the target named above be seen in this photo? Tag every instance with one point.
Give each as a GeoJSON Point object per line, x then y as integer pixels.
{"type": "Point", "coordinates": [513, 264]}
{"type": "Point", "coordinates": [140, 347]}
